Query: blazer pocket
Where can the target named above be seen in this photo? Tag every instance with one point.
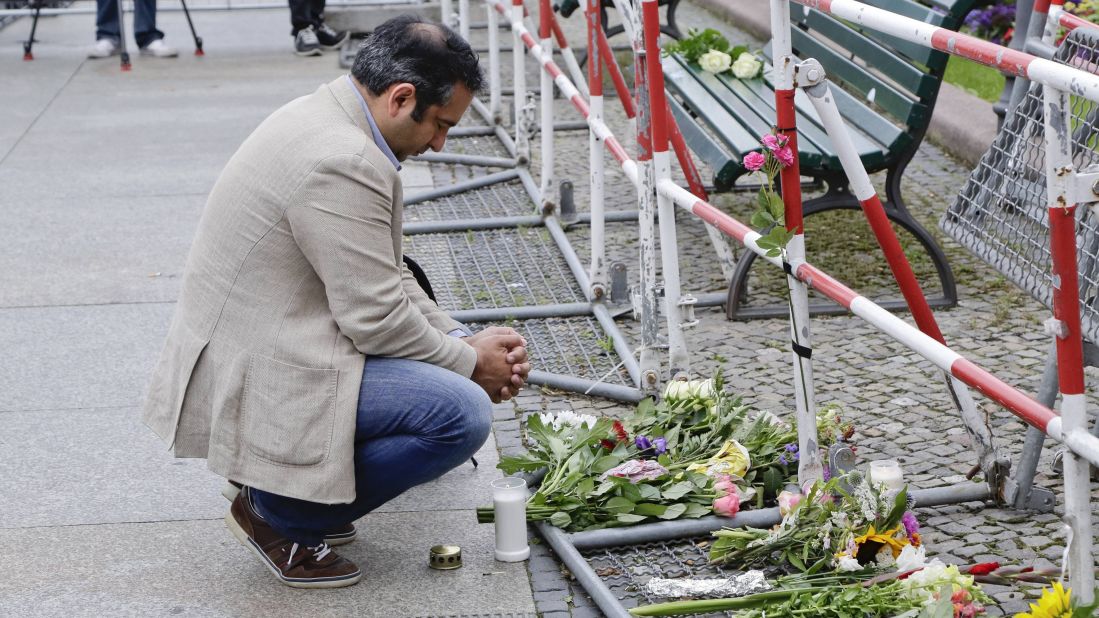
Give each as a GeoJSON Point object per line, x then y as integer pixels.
{"type": "Point", "coordinates": [288, 412]}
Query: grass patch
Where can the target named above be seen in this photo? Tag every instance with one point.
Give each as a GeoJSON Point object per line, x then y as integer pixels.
{"type": "Point", "coordinates": [974, 78]}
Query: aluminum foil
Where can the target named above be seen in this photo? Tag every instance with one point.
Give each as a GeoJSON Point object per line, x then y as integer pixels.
{"type": "Point", "coordinates": [740, 585]}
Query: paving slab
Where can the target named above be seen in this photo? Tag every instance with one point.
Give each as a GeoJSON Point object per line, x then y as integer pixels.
{"type": "Point", "coordinates": [197, 568]}
{"type": "Point", "coordinates": [95, 250]}
{"type": "Point", "coordinates": [79, 357]}
{"type": "Point", "coordinates": [104, 466]}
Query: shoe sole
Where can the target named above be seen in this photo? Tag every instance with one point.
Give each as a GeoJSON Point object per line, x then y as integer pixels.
{"type": "Point", "coordinates": [329, 582]}
{"type": "Point", "coordinates": [336, 46]}
{"type": "Point", "coordinates": [312, 52]}
{"type": "Point", "coordinates": [231, 491]}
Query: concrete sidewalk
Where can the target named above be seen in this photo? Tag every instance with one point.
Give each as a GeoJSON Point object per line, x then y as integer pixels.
{"type": "Point", "coordinates": [103, 176]}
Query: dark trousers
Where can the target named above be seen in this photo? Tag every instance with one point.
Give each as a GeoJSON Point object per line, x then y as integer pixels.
{"type": "Point", "coordinates": [145, 32]}
{"type": "Point", "coordinates": [305, 13]}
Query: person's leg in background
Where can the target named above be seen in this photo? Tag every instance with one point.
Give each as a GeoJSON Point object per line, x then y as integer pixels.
{"type": "Point", "coordinates": [148, 38]}
{"type": "Point", "coordinates": [106, 29]}
{"type": "Point", "coordinates": [326, 36]}
{"type": "Point", "coordinates": [302, 22]}
{"type": "Point", "coordinates": [415, 422]}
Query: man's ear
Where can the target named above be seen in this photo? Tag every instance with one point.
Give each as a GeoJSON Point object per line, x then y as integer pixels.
{"type": "Point", "coordinates": [401, 96]}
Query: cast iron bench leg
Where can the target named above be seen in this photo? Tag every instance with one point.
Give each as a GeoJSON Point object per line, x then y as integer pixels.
{"type": "Point", "coordinates": [839, 197]}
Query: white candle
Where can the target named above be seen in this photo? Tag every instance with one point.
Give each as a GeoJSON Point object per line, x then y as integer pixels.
{"type": "Point", "coordinates": [509, 501]}
{"type": "Point", "coordinates": [886, 472]}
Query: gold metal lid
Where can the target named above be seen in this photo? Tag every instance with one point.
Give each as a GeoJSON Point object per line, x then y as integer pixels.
{"type": "Point", "coordinates": [445, 557]}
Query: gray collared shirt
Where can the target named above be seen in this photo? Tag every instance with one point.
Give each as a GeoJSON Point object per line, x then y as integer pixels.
{"type": "Point", "coordinates": [378, 139]}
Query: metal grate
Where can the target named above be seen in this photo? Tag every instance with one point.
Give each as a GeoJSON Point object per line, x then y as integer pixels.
{"type": "Point", "coordinates": [497, 268]}
{"type": "Point", "coordinates": [502, 200]}
{"type": "Point", "coordinates": [574, 347]}
{"type": "Point", "coordinates": [1001, 213]}
{"type": "Point", "coordinates": [626, 570]}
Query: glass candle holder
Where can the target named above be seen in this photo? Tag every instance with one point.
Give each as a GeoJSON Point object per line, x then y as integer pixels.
{"type": "Point", "coordinates": [509, 501]}
{"type": "Point", "coordinates": [886, 472]}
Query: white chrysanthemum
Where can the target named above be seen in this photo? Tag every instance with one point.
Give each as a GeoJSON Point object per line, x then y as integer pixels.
{"type": "Point", "coordinates": [715, 61]}
{"type": "Point", "coordinates": [925, 583]}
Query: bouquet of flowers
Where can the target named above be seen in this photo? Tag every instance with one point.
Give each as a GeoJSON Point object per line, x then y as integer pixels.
{"type": "Point", "coordinates": [697, 452]}
{"type": "Point", "coordinates": [846, 524]}
{"type": "Point", "coordinates": [714, 54]}
{"type": "Point", "coordinates": [994, 22]}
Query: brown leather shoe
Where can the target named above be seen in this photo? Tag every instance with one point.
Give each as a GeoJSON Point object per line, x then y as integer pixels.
{"type": "Point", "coordinates": [339, 536]}
{"type": "Point", "coordinates": [292, 563]}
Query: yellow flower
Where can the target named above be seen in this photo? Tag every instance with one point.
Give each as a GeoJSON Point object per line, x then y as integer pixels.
{"type": "Point", "coordinates": [732, 459]}
{"type": "Point", "coordinates": [888, 538]}
{"type": "Point", "coordinates": [1055, 603]}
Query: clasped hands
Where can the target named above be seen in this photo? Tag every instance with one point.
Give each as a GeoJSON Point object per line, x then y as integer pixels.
{"type": "Point", "coordinates": [502, 365]}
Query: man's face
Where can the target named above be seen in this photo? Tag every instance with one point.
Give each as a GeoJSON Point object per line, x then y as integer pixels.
{"type": "Point", "coordinates": [411, 137]}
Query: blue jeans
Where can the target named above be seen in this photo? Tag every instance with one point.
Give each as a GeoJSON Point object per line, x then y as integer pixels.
{"type": "Point", "coordinates": [416, 422]}
{"type": "Point", "coordinates": [106, 21]}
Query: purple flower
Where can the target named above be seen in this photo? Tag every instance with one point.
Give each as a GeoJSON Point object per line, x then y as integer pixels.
{"type": "Point", "coordinates": [642, 443]}
{"type": "Point", "coordinates": [782, 459]}
{"type": "Point", "coordinates": [791, 447]}
{"type": "Point", "coordinates": [911, 526]}
{"type": "Point", "coordinates": [827, 474]}
{"type": "Point", "coordinates": [660, 446]}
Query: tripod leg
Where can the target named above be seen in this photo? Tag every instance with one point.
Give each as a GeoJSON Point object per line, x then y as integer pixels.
{"type": "Point", "coordinates": [124, 55]}
{"type": "Point", "coordinates": [28, 54]}
{"type": "Point", "coordinates": [194, 35]}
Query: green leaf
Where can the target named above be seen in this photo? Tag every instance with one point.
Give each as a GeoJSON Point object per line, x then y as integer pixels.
{"type": "Point", "coordinates": [735, 52]}
{"type": "Point", "coordinates": [674, 511]}
{"type": "Point", "coordinates": [650, 510]}
{"type": "Point", "coordinates": [605, 463]}
{"type": "Point", "coordinates": [631, 492]}
{"type": "Point", "coordinates": [695, 510]}
{"type": "Point", "coordinates": [678, 490]}
{"type": "Point", "coordinates": [603, 488]}
{"type": "Point", "coordinates": [585, 487]}
{"type": "Point", "coordinates": [560, 519]}
{"type": "Point", "coordinates": [618, 504]}
{"type": "Point", "coordinates": [649, 492]}
{"type": "Point", "coordinates": [538, 499]}
{"type": "Point", "coordinates": [629, 518]}
{"type": "Point", "coordinates": [762, 219]}
{"type": "Point", "coordinates": [795, 560]}
{"type": "Point", "coordinates": [776, 206]}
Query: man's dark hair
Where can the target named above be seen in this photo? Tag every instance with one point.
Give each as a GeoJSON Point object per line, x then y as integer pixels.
{"type": "Point", "coordinates": [430, 56]}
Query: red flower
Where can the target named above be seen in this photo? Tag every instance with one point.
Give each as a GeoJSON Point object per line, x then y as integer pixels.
{"type": "Point", "coordinates": [620, 432]}
{"type": "Point", "coordinates": [983, 568]}
{"type": "Point", "coordinates": [607, 444]}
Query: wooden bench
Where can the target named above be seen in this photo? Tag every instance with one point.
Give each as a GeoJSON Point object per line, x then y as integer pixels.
{"type": "Point", "coordinates": [885, 89]}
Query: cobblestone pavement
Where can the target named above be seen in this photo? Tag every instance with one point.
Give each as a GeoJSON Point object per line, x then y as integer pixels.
{"type": "Point", "coordinates": [897, 399]}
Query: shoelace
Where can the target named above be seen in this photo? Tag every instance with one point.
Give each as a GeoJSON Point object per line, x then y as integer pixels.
{"type": "Point", "coordinates": [308, 36]}
{"type": "Point", "coordinates": [319, 552]}
{"type": "Point", "coordinates": [327, 30]}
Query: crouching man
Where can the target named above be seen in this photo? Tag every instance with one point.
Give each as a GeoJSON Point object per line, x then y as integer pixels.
{"type": "Point", "coordinates": [304, 361]}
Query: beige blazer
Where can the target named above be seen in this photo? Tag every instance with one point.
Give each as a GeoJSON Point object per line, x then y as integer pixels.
{"type": "Point", "coordinates": [294, 276]}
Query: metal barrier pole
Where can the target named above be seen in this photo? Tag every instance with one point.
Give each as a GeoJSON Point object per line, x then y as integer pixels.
{"type": "Point", "coordinates": [545, 34]}
{"type": "Point", "coordinates": [571, 65]}
{"type": "Point", "coordinates": [1066, 327]}
{"type": "Point", "coordinates": [598, 272]}
{"type": "Point", "coordinates": [810, 467]}
{"type": "Point", "coordinates": [817, 87]}
{"type": "Point", "coordinates": [519, 80]}
{"type": "Point", "coordinates": [463, 19]}
{"type": "Point", "coordinates": [678, 360]}
{"type": "Point", "coordinates": [494, 86]}
{"type": "Point", "coordinates": [446, 12]}
{"type": "Point", "coordinates": [646, 233]}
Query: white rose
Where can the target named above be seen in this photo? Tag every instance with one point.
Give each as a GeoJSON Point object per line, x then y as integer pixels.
{"type": "Point", "coordinates": [715, 61]}
{"type": "Point", "coordinates": [746, 66]}
{"type": "Point", "coordinates": [911, 558]}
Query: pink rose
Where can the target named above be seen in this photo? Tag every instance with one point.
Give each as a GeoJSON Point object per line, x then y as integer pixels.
{"type": "Point", "coordinates": [725, 484]}
{"type": "Point", "coordinates": [785, 155]}
{"type": "Point", "coordinates": [728, 506]}
{"type": "Point", "coordinates": [787, 501]}
{"type": "Point", "coordinates": [754, 161]}
{"type": "Point", "coordinates": [774, 142]}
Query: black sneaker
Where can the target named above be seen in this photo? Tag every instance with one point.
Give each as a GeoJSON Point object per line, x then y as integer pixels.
{"type": "Point", "coordinates": [306, 43]}
{"type": "Point", "coordinates": [329, 38]}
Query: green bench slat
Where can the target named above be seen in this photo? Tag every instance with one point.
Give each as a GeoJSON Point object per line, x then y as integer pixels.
{"type": "Point", "coordinates": [759, 93]}
{"type": "Point", "coordinates": [875, 55]}
{"type": "Point", "coordinates": [913, 10]}
{"type": "Point", "coordinates": [702, 102]}
{"type": "Point", "coordinates": [887, 97]}
{"type": "Point", "coordinates": [726, 167]}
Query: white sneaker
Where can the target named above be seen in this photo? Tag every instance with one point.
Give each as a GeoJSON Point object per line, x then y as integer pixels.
{"type": "Point", "coordinates": [159, 49]}
{"type": "Point", "coordinates": [103, 48]}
